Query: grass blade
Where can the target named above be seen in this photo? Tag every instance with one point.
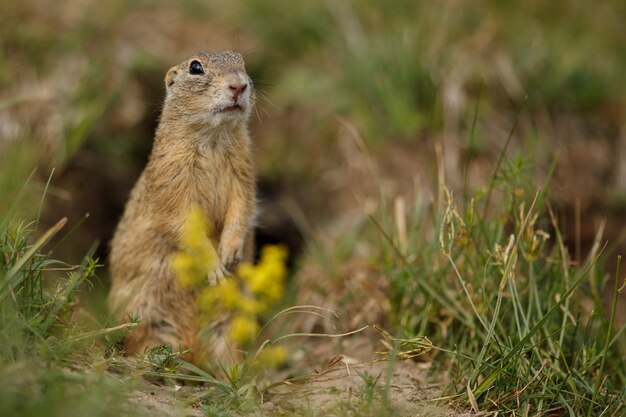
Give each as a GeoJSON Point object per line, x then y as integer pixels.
{"type": "Point", "coordinates": [12, 273]}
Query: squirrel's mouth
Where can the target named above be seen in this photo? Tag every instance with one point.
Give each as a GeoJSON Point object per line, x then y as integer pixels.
{"type": "Point", "coordinates": [231, 109]}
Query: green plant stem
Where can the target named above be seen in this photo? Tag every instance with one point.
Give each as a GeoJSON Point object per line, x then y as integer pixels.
{"type": "Point", "coordinates": [607, 340]}
{"type": "Point", "coordinates": [518, 346]}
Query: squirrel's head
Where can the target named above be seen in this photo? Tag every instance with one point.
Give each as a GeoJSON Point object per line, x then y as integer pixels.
{"type": "Point", "coordinates": [211, 88]}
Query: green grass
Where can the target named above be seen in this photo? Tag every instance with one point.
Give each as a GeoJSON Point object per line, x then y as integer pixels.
{"type": "Point", "coordinates": [47, 357]}
{"type": "Point", "coordinates": [521, 327]}
{"type": "Point", "coordinates": [390, 66]}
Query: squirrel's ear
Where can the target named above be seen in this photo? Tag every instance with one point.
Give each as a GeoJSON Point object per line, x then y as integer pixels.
{"type": "Point", "coordinates": [169, 77]}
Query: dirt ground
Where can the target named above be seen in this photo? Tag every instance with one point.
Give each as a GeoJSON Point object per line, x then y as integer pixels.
{"type": "Point", "coordinates": [326, 385]}
{"type": "Point", "coordinates": [336, 393]}
{"type": "Point", "coordinates": [343, 392]}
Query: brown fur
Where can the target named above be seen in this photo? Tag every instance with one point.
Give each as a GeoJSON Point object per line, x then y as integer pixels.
{"type": "Point", "coordinates": [201, 156]}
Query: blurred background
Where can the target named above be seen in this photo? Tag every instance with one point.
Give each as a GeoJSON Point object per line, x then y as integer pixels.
{"type": "Point", "coordinates": [358, 99]}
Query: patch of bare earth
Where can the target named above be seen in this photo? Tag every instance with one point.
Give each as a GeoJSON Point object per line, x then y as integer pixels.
{"type": "Point", "coordinates": [347, 378]}
{"type": "Point", "coordinates": [362, 390]}
{"type": "Point", "coordinates": [162, 401]}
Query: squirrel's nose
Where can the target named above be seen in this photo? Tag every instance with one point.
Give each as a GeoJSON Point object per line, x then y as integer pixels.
{"type": "Point", "coordinates": [238, 87]}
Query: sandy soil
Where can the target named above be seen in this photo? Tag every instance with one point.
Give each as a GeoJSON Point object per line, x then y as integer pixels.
{"type": "Point", "coordinates": [343, 391]}
{"type": "Point", "coordinates": [338, 387]}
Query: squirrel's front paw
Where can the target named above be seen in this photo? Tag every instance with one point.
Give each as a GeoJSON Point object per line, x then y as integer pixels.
{"type": "Point", "coordinates": [231, 257]}
{"type": "Point", "coordinates": [217, 274]}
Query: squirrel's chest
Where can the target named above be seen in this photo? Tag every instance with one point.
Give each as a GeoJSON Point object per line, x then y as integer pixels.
{"type": "Point", "coordinates": [214, 181]}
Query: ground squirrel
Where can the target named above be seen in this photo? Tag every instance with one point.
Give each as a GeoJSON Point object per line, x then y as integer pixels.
{"type": "Point", "coordinates": [201, 157]}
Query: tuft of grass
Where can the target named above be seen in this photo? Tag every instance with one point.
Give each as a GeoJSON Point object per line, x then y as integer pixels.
{"type": "Point", "coordinates": [45, 353]}
{"type": "Point", "coordinates": [509, 311]}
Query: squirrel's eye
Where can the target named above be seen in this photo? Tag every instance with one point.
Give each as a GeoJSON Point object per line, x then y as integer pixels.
{"type": "Point", "coordinates": [195, 68]}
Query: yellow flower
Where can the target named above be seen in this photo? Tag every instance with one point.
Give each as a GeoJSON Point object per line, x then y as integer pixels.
{"type": "Point", "coordinates": [266, 280]}
{"type": "Point", "coordinates": [272, 356]}
{"type": "Point", "coordinates": [208, 301]}
{"type": "Point", "coordinates": [256, 291]}
{"type": "Point", "coordinates": [183, 265]}
{"type": "Point", "coordinates": [243, 329]}
{"type": "Point", "coordinates": [227, 293]}
{"type": "Point", "coordinates": [197, 256]}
